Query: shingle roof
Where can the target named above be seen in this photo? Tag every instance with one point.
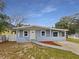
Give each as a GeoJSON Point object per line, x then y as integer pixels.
{"type": "Point", "coordinates": [43, 27]}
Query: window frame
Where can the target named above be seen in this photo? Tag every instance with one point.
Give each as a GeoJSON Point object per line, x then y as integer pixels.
{"type": "Point", "coordinates": [53, 34]}
{"type": "Point", "coordinates": [41, 33]}
{"type": "Point", "coordinates": [24, 33]}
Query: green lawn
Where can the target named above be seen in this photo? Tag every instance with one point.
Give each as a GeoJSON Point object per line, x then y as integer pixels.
{"type": "Point", "coordinates": [51, 53]}
{"type": "Point", "coordinates": [11, 50]}
{"type": "Point", "coordinates": [73, 40]}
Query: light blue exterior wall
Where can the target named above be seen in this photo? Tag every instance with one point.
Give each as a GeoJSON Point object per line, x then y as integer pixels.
{"type": "Point", "coordinates": [48, 38]}
{"type": "Point", "coordinates": [21, 38]}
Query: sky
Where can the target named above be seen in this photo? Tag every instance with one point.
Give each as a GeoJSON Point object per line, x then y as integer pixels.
{"type": "Point", "coordinates": [41, 12]}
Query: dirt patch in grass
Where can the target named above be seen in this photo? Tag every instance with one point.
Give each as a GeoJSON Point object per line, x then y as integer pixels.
{"type": "Point", "coordinates": [10, 49]}
{"type": "Point", "coordinates": [50, 43]}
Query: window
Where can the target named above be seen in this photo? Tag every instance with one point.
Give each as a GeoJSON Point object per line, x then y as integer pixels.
{"type": "Point", "coordinates": [55, 34]}
{"type": "Point", "coordinates": [25, 33]}
{"type": "Point", "coordinates": [13, 32]}
{"type": "Point", "coordinates": [43, 33]}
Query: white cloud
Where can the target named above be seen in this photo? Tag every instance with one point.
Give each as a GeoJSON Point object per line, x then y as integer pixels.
{"type": "Point", "coordinates": [48, 9]}
{"type": "Point", "coordinates": [34, 14]}
{"type": "Point", "coordinates": [41, 12]}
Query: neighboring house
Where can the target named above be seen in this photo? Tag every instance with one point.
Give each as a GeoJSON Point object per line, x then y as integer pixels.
{"type": "Point", "coordinates": [39, 33]}
{"type": "Point", "coordinates": [9, 33]}
{"type": "Point", "coordinates": [75, 36]}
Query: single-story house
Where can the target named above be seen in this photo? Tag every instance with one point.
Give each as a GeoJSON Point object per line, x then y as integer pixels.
{"type": "Point", "coordinates": [39, 33]}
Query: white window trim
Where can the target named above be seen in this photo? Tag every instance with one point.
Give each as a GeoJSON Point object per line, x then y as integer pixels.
{"type": "Point", "coordinates": [41, 33]}
{"type": "Point", "coordinates": [27, 33]}
{"type": "Point", "coordinates": [57, 33]}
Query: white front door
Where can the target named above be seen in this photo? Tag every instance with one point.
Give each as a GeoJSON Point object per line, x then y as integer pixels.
{"type": "Point", "coordinates": [32, 34]}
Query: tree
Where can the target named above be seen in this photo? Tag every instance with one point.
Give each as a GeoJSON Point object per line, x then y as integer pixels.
{"type": "Point", "coordinates": [3, 22]}
{"type": "Point", "coordinates": [16, 20]}
{"type": "Point", "coordinates": [3, 18]}
{"type": "Point", "coordinates": [2, 5]}
{"type": "Point", "coordinates": [76, 19]}
{"type": "Point", "coordinates": [69, 22]}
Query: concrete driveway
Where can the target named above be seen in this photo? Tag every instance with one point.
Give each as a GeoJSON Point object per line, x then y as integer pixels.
{"type": "Point", "coordinates": [74, 47]}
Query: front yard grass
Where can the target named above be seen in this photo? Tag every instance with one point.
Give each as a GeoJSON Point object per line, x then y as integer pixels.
{"type": "Point", "coordinates": [13, 50]}
{"type": "Point", "coordinates": [73, 40]}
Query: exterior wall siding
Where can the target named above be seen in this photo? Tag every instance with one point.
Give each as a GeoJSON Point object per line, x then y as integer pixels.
{"type": "Point", "coordinates": [47, 37]}
{"type": "Point", "coordinates": [21, 38]}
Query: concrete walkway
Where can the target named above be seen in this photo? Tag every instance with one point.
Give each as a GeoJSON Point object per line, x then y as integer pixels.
{"type": "Point", "coordinates": [74, 47]}
{"type": "Point", "coordinates": [65, 45]}
{"type": "Point", "coordinates": [52, 46]}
